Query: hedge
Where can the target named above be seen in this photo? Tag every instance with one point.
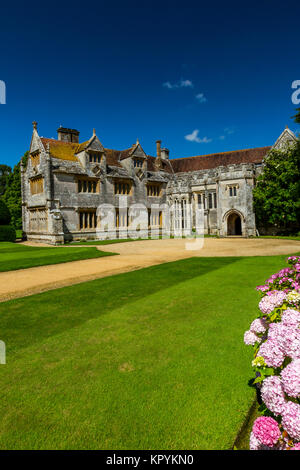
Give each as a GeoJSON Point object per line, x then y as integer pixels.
{"type": "Point", "coordinates": [4, 213]}
{"type": "Point", "coordinates": [7, 233]}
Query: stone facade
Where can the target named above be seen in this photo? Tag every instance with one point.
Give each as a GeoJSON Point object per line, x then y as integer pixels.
{"type": "Point", "coordinates": [65, 182]}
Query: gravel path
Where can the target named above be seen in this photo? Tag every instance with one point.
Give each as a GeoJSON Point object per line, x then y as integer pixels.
{"type": "Point", "coordinates": [132, 256]}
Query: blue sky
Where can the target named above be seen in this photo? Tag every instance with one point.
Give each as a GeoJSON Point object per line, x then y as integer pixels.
{"type": "Point", "coordinates": [203, 77]}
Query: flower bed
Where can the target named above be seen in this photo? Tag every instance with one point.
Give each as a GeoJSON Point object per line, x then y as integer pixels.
{"type": "Point", "coordinates": [275, 337]}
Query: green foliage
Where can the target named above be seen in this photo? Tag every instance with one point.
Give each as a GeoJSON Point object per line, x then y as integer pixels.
{"type": "Point", "coordinates": [297, 116]}
{"type": "Point", "coordinates": [277, 193]}
{"type": "Point", "coordinates": [5, 216]}
{"type": "Point", "coordinates": [7, 233]}
{"type": "Point", "coordinates": [12, 195]}
{"type": "Point", "coordinates": [4, 172]}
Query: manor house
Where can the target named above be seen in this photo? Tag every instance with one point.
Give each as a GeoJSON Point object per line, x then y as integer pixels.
{"type": "Point", "coordinates": [65, 181]}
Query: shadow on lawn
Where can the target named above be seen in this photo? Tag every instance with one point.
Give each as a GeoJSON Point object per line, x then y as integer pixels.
{"type": "Point", "coordinates": [31, 319]}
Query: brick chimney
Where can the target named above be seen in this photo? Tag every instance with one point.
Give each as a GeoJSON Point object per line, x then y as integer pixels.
{"type": "Point", "coordinates": [68, 135]}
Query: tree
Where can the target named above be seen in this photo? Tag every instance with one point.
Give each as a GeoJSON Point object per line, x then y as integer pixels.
{"type": "Point", "coordinates": [5, 171]}
{"type": "Point", "coordinates": [12, 196]}
{"type": "Point", "coordinates": [277, 193]}
{"type": "Point", "coordinates": [4, 213]}
{"type": "Point", "coordinates": [297, 116]}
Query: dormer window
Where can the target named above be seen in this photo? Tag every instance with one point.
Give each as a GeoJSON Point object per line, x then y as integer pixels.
{"type": "Point", "coordinates": [137, 163]}
{"type": "Point", "coordinates": [94, 158]}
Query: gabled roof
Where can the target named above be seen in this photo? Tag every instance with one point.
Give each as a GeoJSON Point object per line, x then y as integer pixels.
{"type": "Point", "coordinates": [206, 162]}
{"type": "Point", "coordinates": [68, 150]}
{"type": "Point", "coordinates": [60, 149]}
{"type": "Point", "coordinates": [82, 146]}
{"type": "Point", "coordinates": [126, 153]}
{"type": "Point", "coordinates": [285, 138]}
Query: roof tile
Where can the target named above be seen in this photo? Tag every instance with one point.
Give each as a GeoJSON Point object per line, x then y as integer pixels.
{"type": "Point", "coordinates": [206, 162]}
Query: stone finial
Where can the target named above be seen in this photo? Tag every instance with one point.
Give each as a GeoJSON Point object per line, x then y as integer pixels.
{"type": "Point", "coordinates": [137, 141]}
{"type": "Point", "coordinates": [286, 126]}
{"type": "Point", "coordinates": [34, 125]}
{"type": "Point", "coordinates": [94, 131]}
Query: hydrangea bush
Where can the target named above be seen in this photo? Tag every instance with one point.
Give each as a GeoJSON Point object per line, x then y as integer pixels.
{"type": "Point", "coordinates": [275, 338]}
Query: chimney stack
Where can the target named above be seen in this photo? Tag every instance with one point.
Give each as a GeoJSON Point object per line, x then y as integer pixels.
{"type": "Point", "coordinates": [68, 135]}
{"type": "Point", "coordinates": [158, 149]}
{"type": "Point", "coordinates": [165, 154]}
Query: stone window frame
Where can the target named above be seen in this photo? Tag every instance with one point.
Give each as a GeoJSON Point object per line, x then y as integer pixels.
{"type": "Point", "coordinates": [232, 189]}
{"type": "Point", "coordinates": [122, 187]}
{"type": "Point", "coordinates": [36, 216]}
{"type": "Point", "coordinates": [138, 163]}
{"type": "Point", "coordinates": [122, 217]}
{"type": "Point", "coordinates": [155, 218]}
{"type": "Point", "coordinates": [154, 189]}
{"type": "Point", "coordinates": [87, 219]}
{"type": "Point", "coordinates": [201, 200]}
{"type": "Point", "coordinates": [180, 215]}
{"type": "Point", "coordinates": [212, 200]}
{"type": "Point", "coordinates": [36, 185]}
{"type": "Point", "coordinates": [88, 185]}
{"type": "Point", "coordinates": [95, 157]}
{"type": "Point", "coordinates": [35, 158]}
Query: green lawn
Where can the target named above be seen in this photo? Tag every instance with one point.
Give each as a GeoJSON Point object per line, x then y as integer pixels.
{"type": "Point", "coordinates": [291, 237]}
{"type": "Point", "coordinates": [17, 256]}
{"type": "Point", "coordinates": [152, 359]}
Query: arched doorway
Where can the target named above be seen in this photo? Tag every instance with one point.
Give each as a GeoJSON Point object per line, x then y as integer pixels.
{"type": "Point", "coordinates": [234, 224]}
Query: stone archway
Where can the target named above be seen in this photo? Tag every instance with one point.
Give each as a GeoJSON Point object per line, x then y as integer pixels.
{"type": "Point", "coordinates": [234, 224]}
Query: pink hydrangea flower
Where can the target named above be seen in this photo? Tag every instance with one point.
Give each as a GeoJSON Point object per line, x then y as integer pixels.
{"type": "Point", "coordinates": [290, 343]}
{"type": "Point", "coordinates": [272, 353]}
{"type": "Point", "coordinates": [250, 338]}
{"type": "Point", "coordinates": [258, 326]}
{"type": "Point", "coordinates": [287, 338]}
{"type": "Point", "coordinates": [266, 430]}
{"type": "Point", "coordinates": [272, 300]}
{"type": "Point", "coordinates": [296, 446]}
{"type": "Point", "coordinates": [262, 288]}
{"type": "Point", "coordinates": [290, 317]}
{"type": "Point", "coordinates": [291, 420]}
{"type": "Point", "coordinates": [255, 444]}
{"type": "Point", "coordinates": [272, 394]}
{"type": "Point", "coordinates": [291, 379]}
